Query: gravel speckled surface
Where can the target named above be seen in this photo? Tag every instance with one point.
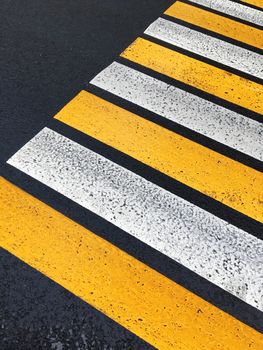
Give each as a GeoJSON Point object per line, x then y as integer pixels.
{"type": "Point", "coordinates": [209, 246]}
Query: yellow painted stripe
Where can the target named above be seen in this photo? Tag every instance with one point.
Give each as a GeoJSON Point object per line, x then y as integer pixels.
{"type": "Point", "coordinates": [228, 181]}
{"type": "Point", "coordinates": [193, 72]}
{"type": "Point", "coordinates": [258, 3]}
{"type": "Point", "coordinates": [137, 297]}
{"type": "Point", "coordinates": [216, 23]}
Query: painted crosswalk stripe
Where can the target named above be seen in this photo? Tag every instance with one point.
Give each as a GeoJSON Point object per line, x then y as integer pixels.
{"type": "Point", "coordinates": [218, 251]}
{"type": "Point", "coordinates": [207, 171]}
{"type": "Point", "coordinates": [233, 9]}
{"type": "Point", "coordinates": [207, 46]}
{"type": "Point", "coordinates": [216, 23]}
{"type": "Point", "coordinates": [137, 297]}
{"type": "Point", "coordinates": [258, 3]}
{"type": "Point", "coordinates": [203, 76]}
{"type": "Point", "coordinates": [182, 107]}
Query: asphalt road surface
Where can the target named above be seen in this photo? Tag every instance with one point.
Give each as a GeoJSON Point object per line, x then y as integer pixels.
{"type": "Point", "coordinates": [49, 51]}
{"type": "Point", "coordinates": [131, 174]}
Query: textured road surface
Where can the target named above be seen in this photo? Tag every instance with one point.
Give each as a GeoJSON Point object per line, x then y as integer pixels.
{"type": "Point", "coordinates": [131, 175]}
{"type": "Point", "coordinates": [49, 51]}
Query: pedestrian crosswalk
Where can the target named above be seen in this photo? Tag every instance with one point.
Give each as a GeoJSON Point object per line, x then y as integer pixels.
{"type": "Point", "coordinates": [200, 168]}
{"type": "Point", "coordinates": [257, 3]}
{"type": "Point", "coordinates": [205, 84]}
{"type": "Point", "coordinates": [198, 74]}
{"type": "Point", "coordinates": [216, 23]}
{"type": "Point", "coordinates": [146, 211]}
{"type": "Point", "coordinates": [207, 46]}
{"type": "Point", "coordinates": [179, 106]}
{"type": "Point", "coordinates": [233, 9]}
{"type": "Point", "coordinates": [146, 302]}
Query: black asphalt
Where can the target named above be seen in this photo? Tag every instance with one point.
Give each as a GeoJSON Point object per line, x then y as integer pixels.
{"type": "Point", "coordinates": [49, 51]}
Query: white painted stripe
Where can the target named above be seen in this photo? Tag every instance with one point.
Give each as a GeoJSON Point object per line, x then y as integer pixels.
{"type": "Point", "coordinates": [193, 112]}
{"type": "Point", "coordinates": [233, 9]}
{"type": "Point", "coordinates": [227, 256]}
{"type": "Point", "coordinates": [207, 46]}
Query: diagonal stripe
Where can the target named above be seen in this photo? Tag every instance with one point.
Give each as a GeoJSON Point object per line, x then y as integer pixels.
{"type": "Point", "coordinates": [207, 46]}
{"type": "Point", "coordinates": [217, 24]}
{"type": "Point", "coordinates": [142, 300]}
{"type": "Point", "coordinates": [38, 314]}
{"type": "Point", "coordinates": [191, 111]}
{"type": "Point", "coordinates": [233, 9]}
{"type": "Point", "coordinates": [258, 3]}
{"type": "Point", "coordinates": [213, 80]}
{"type": "Point", "coordinates": [211, 173]}
{"type": "Point", "coordinates": [225, 255]}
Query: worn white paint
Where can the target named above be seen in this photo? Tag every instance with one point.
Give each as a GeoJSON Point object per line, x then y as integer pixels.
{"type": "Point", "coordinates": [207, 46]}
{"type": "Point", "coordinates": [191, 111]}
{"type": "Point", "coordinates": [220, 252]}
{"type": "Point", "coordinates": [233, 9]}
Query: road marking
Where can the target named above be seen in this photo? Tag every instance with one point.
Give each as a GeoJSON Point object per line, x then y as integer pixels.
{"type": "Point", "coordinates": [205, 170]}
{"type": "Point", "coordinates": [203, 76]}
{"type": "Point", "coordinates": [218, 251]}
{"type": "Point", "coordinates": [134, 295]}
{"type": "Point", "coordinates": [258, 3]}
{"type": "Point", "coordinates": [182, 107]}
{"type": "Point", "coordinates": [207, 46]}
{"type": "Point", "coordinates": [233, 9]}
{"type": "Point", "coordinates": [217, 24]}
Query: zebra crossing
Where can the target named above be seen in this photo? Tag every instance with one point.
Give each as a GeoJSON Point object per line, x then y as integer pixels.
{"type": "Point", "coordinates": [184, 108]}
{"type": "Point", "coordinates": [227, 28]}
{"type": "Point", "coordinates": [185, 100]}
